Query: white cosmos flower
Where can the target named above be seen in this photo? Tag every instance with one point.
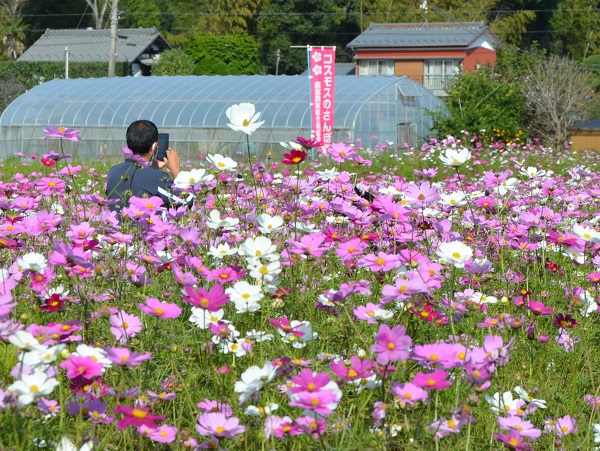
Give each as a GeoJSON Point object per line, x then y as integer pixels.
{"type": "Point", "coordinates": [539, 403]}
{"type": "Point", "coordinates": [33, 262]}
{"type": "Point", "coordinates": [214, 221]}
{"type": "Point", "coordinates": [67, 445]}
{"type": "Point", "coordinates": [455, 199]}
{"type": "Point", "coordinates": [298, 342]}
{"type": "Point", "coordinates": [586, 233]}
{"type": "Point", "coordinates": [269, 224]}
{"type": "Point", "coordinates": [266, 272]}
{"type": "Point", "coordinates": [254, 411]}
{"type": "Point", "coordinates": [503, 402]}
{"type": "Point", "coordinates": [203, 318]}
{"type": "Point", "coordinates": [575, 254]}
{"type": "Point", "coordinates": [222, 163]}
{"type": "Point", "coordinates": [32, 386]}
{"type": "Point", "coordinates": [243, 118]}
{"type": "Point", "coordinates": [455, 157]}
{"type": "Point", "coordinates": [259, 248]}
{"type": "Point", "coordinates": [222, 250]}
{"type": "Point", "coordinates": [24, 340]}
{"type": "Point", "coordinates": [328, 174]}
{"type": "Point", "coordinates": [253, 379]}
{"type": "Point", "coordinates": [292, 145]}
{"type": "Point", "coordinates": [246, 297]}
{"type": "Point", "coordinates": [42, 356]}
{"type": "Point", "coordinates": [480, 298]}
{"type": "Point", "coordinates": [259, 335]}
{"type": "Point", "coordinates": [532, 172]}
{"type": "Point", "coordinates": [185, 179]}
{"type": "Point", "coordinates": [455, 252]}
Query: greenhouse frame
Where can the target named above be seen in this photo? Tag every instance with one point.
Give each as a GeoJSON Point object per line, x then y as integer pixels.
{"type": "Point", "coordinates": [192, 110]}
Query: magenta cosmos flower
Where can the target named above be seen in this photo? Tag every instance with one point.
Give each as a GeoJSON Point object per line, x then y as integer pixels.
{"type": "Point", "coordinates": [391, 345]}
{"type": "Point", "coordinates": [85, 367]}
{"type": "Point", "coordinates": [137, 417]}
{"type": "Point", "coordinates": [211, 300]}
{"type": "Point", "coordinates": [155, 307]}
{"type": "Point", "coordinates": [61, 132]}
{"type": "Point", "coordinates": [408, 393]}
{"type": "Point", "coordinates": [218, 425]}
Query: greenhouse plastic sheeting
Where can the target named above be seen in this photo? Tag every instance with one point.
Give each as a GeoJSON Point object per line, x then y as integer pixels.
{"type": "Point", "coordinates": [192, 110]}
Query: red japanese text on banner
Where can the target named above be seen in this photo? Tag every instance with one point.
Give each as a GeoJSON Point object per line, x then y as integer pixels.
{"type": "Point", "coordinates": [322, 92]}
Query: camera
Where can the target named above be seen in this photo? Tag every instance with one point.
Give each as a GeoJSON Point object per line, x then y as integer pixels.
{"type": "Point", "coordinates": [163, 145]}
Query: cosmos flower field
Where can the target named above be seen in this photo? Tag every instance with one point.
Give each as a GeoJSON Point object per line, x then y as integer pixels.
{"type": "Point", "coordinates": [374, 297]}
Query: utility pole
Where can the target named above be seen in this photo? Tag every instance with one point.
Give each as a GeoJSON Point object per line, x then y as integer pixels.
{"type": "Point", "coordinates": [114, 18]}
{"type": "Point", "coordinates": [278, 55]}
{"type": "Point", "coordinates": [66, 63]}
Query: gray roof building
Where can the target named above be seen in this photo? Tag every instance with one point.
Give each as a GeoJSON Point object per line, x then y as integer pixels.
{"type": "Point", "coordinates": [428, 34]}
{"type": "Point", "coordinates": [133, 45]}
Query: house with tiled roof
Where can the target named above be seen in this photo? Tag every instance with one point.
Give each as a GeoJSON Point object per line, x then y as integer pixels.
{"type": "Point", "coordinates": [429, 53]}
{"type": "Point", "coordinates": [139, 47]}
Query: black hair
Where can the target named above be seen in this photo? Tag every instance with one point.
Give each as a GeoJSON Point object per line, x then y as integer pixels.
{"type": "Point", "coordinates": [141, 135]}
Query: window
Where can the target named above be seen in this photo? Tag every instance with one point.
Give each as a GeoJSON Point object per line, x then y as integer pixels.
{"type": "Point", "coordinates": [438, 74]}
{"type": "Point", "coordinates": [376, 68]}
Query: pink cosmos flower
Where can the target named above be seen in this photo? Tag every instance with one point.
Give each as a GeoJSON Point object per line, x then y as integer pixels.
{"type": "Point", "coordinates": [340, 152]}
{"type": "Point", "coordinates": [61, 132]}
{"type": "Point", "coordinates": [539, 308]}
{"type": "Point", "coordinates": [352, 369]}
{"type": "Point", "coordinates": [218, 425]}
{"type": "Point", "coordinates": [137, 417]}
{"type": "Point", "coordinates": [311, 425]}
{"type": "Point", "coordinates": [125, 357]}
{"type": "Point", "coordinates": [408, 393]}
{"type": "Point", "coordinates": [404, 288]}
{"type": "Point", "coordinates": [164, 434]}
{"type": "Point", "coordinates": [124, 326]}
{"type": "Point", "coordinates": [209, 405]}
{"type": "Point", "coordinates": [367, 312]}
{"type": "Point", "coordinates": [565, 425]}
{"type": "Point", "coordinates": [322, 402]}
{"type": "Point", "coordinates": [310, 245]}
{"type": "Point", "coordinates": [279, 426]}
{"type": "Point", "coordinates": [50, 185]}
{"type": "Point", "coordinates": [430, 381]}
{"type": "Point", "coordinates": [421, 194]}
{"type": "Point", "coordinates": [350, 249]}
{"type": "Point", "coordinates": [78, 366]}
{"type": "Point", "coordinates": [380, 262]}
{"type": "Point", "coordinates": [524, 427]}
{"type": "Point", "coordinates": [309, 381]}
{"type": "Point", "coordinates": [155, 307]}
{"type": "Point", "coordinates": [514, 440]}
{"type": "Point", "coordinates": [391, 345]}
{"type": "Point", "coordinates": [211, 300]}
{"type": "Point", "coordinates": [442, 354]}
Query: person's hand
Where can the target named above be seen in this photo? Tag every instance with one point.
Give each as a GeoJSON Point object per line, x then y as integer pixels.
{"type": "Point", "coordinates": [172, 162]}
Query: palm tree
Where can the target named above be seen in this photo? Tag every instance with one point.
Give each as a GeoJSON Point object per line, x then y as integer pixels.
{"type": "Point", "coordinates": [14, 35]}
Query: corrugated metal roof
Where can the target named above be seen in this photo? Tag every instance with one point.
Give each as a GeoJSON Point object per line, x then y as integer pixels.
{"type": "Point", "coordinates": [593, 124]}
{"type": "Point", "coordinates": [430, 34]}
{"type": "Point", "coordinates": [93, 45]}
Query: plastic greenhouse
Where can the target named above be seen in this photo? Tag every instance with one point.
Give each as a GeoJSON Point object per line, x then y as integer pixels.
{"type": "Point", "coordinates": [192, 110]}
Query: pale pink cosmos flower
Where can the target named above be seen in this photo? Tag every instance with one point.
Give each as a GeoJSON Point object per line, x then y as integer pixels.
{"type": "Point", "coordinates": [408, 393]}
{"type": "Point", "coordinates": [125, 357]}
{"type": "Point", "coordinates": [163, 434]}
{"type": "Point", "coordinates": [379, 262]}
{"type": "Point", "coordinates": [155, 307]}
{"type": "Point", "coordinates": [435, 380]}
{"type": "Point", "coordinates": [218, 425]}
{"type": "Point", "coordinates": [124, 326]}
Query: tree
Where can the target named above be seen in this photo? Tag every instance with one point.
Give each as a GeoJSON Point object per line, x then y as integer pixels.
{"type": "Point", "coordinates": [140, 13]}
{"type": "Point", "coordinates": [481, 100]}
{"type": "Point", "coordinates": [557, 92]}
{"type": "Point", "coordinates": [14, 37]}
{"type": "Point", "coordinates": [98, 8]}
{"type": "Point", "coordinates": [174, 62]}
{"type": "Point", "coordinates": [224, 55]}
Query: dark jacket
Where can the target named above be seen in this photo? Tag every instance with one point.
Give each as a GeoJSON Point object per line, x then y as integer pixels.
{"type": "Point", "coordinates": [129, 179]}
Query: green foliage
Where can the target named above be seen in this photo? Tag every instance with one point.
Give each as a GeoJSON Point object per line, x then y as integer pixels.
{"type": "Point", "coordinates": [16, 77]}
{"type": "Point", "coordinates": [224, 55]}
{"type": "Point", "coordinates": [140, 13]}
{"type": "Point", "coordinates": [481, 101]}
{"type": "Point", "coordinates": [174, 62]}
